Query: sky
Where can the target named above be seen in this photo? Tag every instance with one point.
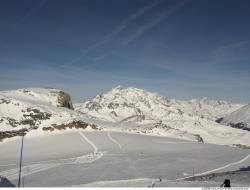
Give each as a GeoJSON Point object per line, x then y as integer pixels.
{"type": "Point", "coordinates": [181, 49]}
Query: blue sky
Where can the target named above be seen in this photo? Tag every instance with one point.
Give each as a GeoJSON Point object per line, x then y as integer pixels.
{"type": "Point", "coordinates": [178, 48]}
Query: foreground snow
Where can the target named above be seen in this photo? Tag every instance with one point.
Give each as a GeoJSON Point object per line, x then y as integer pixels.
{"type": "Point", "coordinates": [108, 158]}
{"type": "Point", "coordinates": [147, 182]}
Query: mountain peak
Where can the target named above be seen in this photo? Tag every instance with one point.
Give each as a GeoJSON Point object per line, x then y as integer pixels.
{"type": "Point", "coordinates": [119, 87]}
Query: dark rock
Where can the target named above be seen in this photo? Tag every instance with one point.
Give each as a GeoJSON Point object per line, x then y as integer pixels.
{"type": "Point", "coordinates": [4, 182]}
{"type": "Point", "coordinates": [12, 122]}
{"type": "Point", "coordinates": [4, 101]}
{"type": "Point", "coordinates": [9, 134]}
{"type": "Point", "coordinates": [93, 106]}
{"type": "Point", "coordinates": [242, 146]}
{"type": "Point", "coordinates": [242, 126]}
{"type": "Point", "coordinates": [73, 124]}
{"type": "Point", "coordinates": [199, 138]}
{"type": "Point", "coordinates": [64, 100]}
{"type": "Point", "coordinates": [114, 113]}
{"type": "Point", "coordinates": [219, 120]}
{"type": "Point", "coordinates": [32, 118]}
{"type": "Point", "coordinates": [48, 129]}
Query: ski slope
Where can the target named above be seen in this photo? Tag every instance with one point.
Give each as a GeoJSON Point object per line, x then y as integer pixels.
{"type": "Point", "coordinates": [108, 158]}
{"type": "Point", "coordinates": [32, 168]}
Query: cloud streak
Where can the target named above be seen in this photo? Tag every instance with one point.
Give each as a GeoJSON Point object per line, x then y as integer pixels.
{"type": "Point", "coordinates": [157, 19]}
{"type": "Point", "coordinates": [121, 27]}
{"type": "Point", "coordinates": [32, 11]}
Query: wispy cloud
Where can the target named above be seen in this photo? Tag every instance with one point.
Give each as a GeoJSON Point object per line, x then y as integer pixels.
{"type": "Point", "coordinates": [231, 46]}
{"type": "Point", "coordinates": [121, 27]}
{"type": "Point", "coordinates": [32, 11]}
{"type": "Point", "coordinates": [225, 52]}
{"type": "Point", "coordinates": [155, 21]}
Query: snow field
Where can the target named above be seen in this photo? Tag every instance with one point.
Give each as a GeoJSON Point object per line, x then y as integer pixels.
{"type": "Point", "coordinates": [80, 158]}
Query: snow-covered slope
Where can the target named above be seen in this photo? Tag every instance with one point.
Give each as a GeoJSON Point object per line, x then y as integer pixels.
{"type": "Point", "coordinates": [140, 111]}
{"type": "Point", "coordinates": [132, 103]}
{"type": "Point", "coordinates": [43, 109]}
{"type": "Point", "coordinates": [238, 119]}
{"type": "Point", "coordinates": [43, 96]}
{"type": "Point", "coordinates": [123, 109]}
{"type": "Point", "coordinates": [128, 104]}
{"type": "Point", "coordinates": [205, 108]}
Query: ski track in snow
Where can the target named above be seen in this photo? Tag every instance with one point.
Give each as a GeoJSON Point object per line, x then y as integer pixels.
{"type": "Point", "coordinates": [35, 167]}
{"type": "Point", "coordinates": [89, 141]}
{"type": "Point", "coordinates": [8, 165]}
{"type": "Point", "coordinates": [130, 161]}
{"type": "Point", "coordinates": [13, 174]}
{"type": "Point", "coordinates": [114, 141]}
{"type": "Point", "coordinates": [217, 169]}
{"type": "Point", "coordinates": [173, 142]}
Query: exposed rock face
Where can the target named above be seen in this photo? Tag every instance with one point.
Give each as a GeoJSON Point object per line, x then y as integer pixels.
{"type": "Point", "coordinates": [241, 146]}
{"type": "Point", "coordinates": [9, 134]}
{"type": "Point", "coordinates": [4, 182]}
{"type": "Point", "coordinates": [23, 110]}
{"type": "Point", "coordinates": [64, 100]}
{"type": "Point", "coordinates": [199, 138]}
{"type": "Point", "coordinates": [73, 124]}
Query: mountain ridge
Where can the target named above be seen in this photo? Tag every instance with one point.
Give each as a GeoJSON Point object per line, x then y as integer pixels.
{"type": "Point", "coordinates": [145, 112]}
{"type": "Point", "coordinates": [129, 109]}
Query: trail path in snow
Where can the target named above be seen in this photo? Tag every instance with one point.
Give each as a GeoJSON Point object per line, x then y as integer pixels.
{"type": "Point", "coordinates": [173, 142]}
{"type": "Point", "coordinates": [27, 170]}
{"type": "Point", "coordinates": [219, 168]}
{"type": "Point", "coordinates": [114, 141]}
{"type": "Point", "coordinates": [130, 161]}
{"type": "Point", "coordinates": [89, 141]}
{"type": "Point", "coordinates": [34, 167]}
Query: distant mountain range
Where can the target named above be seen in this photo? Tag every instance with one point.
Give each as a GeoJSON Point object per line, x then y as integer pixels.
{"type": "Point", "coordinates": [238, 119]}
{"type": "Point", "coordinates": [42, 111]}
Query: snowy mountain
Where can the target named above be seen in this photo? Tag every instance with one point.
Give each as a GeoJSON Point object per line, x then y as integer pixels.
{"type": "Point", "coordinates": [205, 108]}
{"type": "Point", "coordinates": [238, 119]}
{"type": "Point", "coordinates": [123, 104]}
{"type": "Point", "coordinates": [36, 108]}
{"type": "Point", "coordinates": [140, 111]}
{"type": "Point", "coordinates": [130, 110]}
{"type": "Point", "coordinates": [130, 104]}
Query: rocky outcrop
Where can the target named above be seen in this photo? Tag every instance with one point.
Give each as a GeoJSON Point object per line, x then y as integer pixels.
{"type": "Point", "coordinates": [4, 182]}
{"type": "Point", "coordinates": [71, 125]}
{"type": "Point", "coordinates": [23, 110]}
{"type": "Point", "coordinates": [199, 138]}
{"type": "Point", "coordinates": [31, 117]}
{"type": "Point", "coordinates": [13, 133]}
{"type": "Point", "coordinates": [64, 100]}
